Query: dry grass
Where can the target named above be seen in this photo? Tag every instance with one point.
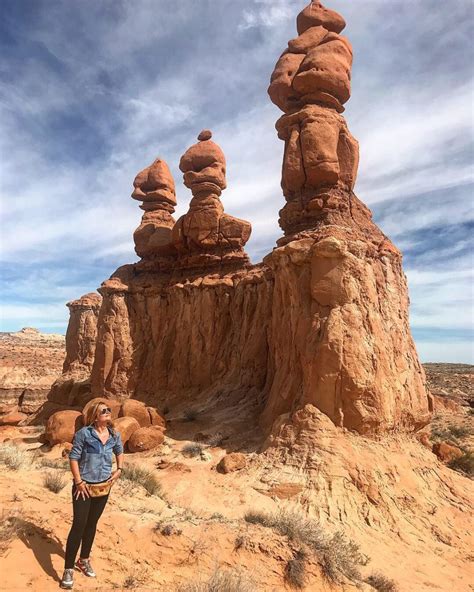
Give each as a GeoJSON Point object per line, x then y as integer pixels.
{"type": "Point", "coordinates": [240, 542]}
{"type": "Point", "coordinates": [11, 525]}
{"type": "Point", "coordinates": [295, 570]}
{"type": "Point", "coordinates": [339, 557]}
{"type": "Point", "coordinates": [130, 583]}
{"type": "Point", "coordinates": [144, 478]}
{"type": "Point", "coordinates": [13, 457]}
{"type": "Point", "coordinates": [55, 482]}
{"type": "Point", "coordinates": [381, 583]}
{"type": "Point", "coordinates": [192, 450]}
{"type": "Point", "coordinates": [222, 580]}
{"type": "Point", "coordinates": [464, 464]}
{"type": "Point", "coordinates": [167, 528]}
{"type": "Point", "coordinates": [54, 464]}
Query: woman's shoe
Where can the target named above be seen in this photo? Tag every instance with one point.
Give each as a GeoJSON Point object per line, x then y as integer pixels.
{"type": "Point", "coordinates": [68, 579]}
{"type": "Point", "coordinates": [85, 566]}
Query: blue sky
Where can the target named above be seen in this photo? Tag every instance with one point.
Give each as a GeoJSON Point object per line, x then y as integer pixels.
{"type": "Point", "coordinates": [93, 91]}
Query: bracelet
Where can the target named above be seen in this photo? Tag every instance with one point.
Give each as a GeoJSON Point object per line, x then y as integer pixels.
{"type": "Point", "coordinates": [80, 483]}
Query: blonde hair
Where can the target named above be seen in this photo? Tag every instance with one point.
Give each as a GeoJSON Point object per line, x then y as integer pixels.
{"type": "Point", "coordinates": [91, 415]}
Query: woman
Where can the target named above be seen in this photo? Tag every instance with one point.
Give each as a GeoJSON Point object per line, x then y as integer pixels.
{"type": "Point", "coordinates": [91, 462]}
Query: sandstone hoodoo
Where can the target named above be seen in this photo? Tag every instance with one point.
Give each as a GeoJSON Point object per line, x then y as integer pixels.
{"type": "Point", "coordinates": [81, 334]}
{"type": "Point", "coordinates": [154, 186]}
{"type": "Point", "coordinates": [206, 235]}
{"type": "Point", "coordinates": [323, 321]}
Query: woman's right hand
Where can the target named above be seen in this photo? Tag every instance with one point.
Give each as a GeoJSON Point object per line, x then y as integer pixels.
{"type": "Point", "coordinates": [81, 489]}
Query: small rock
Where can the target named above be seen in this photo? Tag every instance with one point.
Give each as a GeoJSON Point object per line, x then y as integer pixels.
{"type": "Point", "coordinates": [446, 452]}
{"type": "Point", "coordinates": [13, 418]}
{"type": "Point", "coordinates": [235, 461]}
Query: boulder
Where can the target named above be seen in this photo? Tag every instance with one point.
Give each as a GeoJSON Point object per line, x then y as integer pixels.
{"type": "Point", "coordinates": [156, 418]}
{"type": "Point", "coordinates": [13, 418]}
{"type": "Point", "coordinates": [235, 461]}
{"type": "Point", "coordinates": [62, 426]}
{"type": "Point", "coordinates": [446, 452]}
{"type": "Point", "coordinates": [146, 439]}
{"type": "Point", "coordinates": [126, 426]}
{"type": "Point", "coordinates": [136, 409]}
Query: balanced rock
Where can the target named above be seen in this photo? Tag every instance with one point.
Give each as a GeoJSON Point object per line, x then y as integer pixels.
{"type": "Point", "coordinates": [155, 187]}
{"type": "Point", "coordinates": [146, 439]}
{"type": "Point", "coordinates": [62, 426]}
{"type": "Point", "coordinates": [206, 235]}
{"type": "Point", "coordinates": [310, 83]}
{"type": "Point", "coordinates": [126, 426]}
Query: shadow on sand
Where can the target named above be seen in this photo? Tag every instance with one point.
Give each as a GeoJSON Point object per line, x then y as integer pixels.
{"type": "Point", "coordinates": [44, 546]}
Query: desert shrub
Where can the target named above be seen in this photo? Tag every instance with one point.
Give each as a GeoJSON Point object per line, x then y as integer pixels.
{"type": "Point", "coordinates": [256, 517]}
{"type": "Point", "coordinates": [338, 556]}
{"type": "Point", "coordinates": [12, 457]}
{"type": "Point", "coordinates": [464, 464]}
{"type": "Point", "coordinates": [54, 464]}
{"type": "Point", "coordinates": [222, 580]}
{"type": "Point", "coordinates": [341, 557]}
{"type": "Point", "coordinates": [130, 583]}
{"type": "Point", "coordinates": [190, 414]}
{"type": "Point", "coordinates": [460, 431]}
{"type": "Point", "coordinates": [55, 482]}
{"type": "Point", "coordinates": [295, 570]}
{"type": "Point", "coordinates": [381, 583]}
{"type": "Point", "coordinates": [240, 542]}
{"type": "Point", "coordinates": [166, 529]}
{"type": "Point", "coordinates": [11, 525]}
{"type": "Point", "coordinates": [192, 450]}
{"type": "Point", "coordinates": [143, 477]}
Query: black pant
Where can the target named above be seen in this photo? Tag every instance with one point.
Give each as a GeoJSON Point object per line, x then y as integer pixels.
{"type": "Point", "coordinates": [86, 515]}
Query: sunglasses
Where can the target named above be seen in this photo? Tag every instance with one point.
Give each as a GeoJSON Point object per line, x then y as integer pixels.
{"type": "Point", "coordinates": [105, 410]}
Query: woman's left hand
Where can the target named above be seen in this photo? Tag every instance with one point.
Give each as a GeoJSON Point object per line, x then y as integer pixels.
{"type": "Point", "coordinates": [115, 476]}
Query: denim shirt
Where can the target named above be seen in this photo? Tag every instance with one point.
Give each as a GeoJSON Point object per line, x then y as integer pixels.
{"type": "Point", "coordinates": [95, 458]}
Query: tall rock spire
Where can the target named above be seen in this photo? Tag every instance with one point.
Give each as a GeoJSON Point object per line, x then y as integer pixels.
{"type": "Point", "coordinates": [311, 83]}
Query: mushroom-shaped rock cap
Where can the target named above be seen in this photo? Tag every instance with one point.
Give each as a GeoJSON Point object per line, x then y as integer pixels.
{"type": "Point", "coordinates": [155, 183]}
{"type": "Point", "coordinates": [91, 300]}
{"type": "Point", "coordinates": [202, 155]}
{"type": "Point", "coordinates": [315, 14]}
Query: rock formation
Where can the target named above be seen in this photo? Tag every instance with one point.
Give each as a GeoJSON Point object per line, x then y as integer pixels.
{"type": "Point", "coordinates": [310, 83]}
{"type": "Point", "coordinates": [323, 321]}
{"type": "Point", "coordinates": [154, 186]}
{"type": "Point", "coordinates": [81, 334]}
{"type": "Point", "coordinates": [206, 235]}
